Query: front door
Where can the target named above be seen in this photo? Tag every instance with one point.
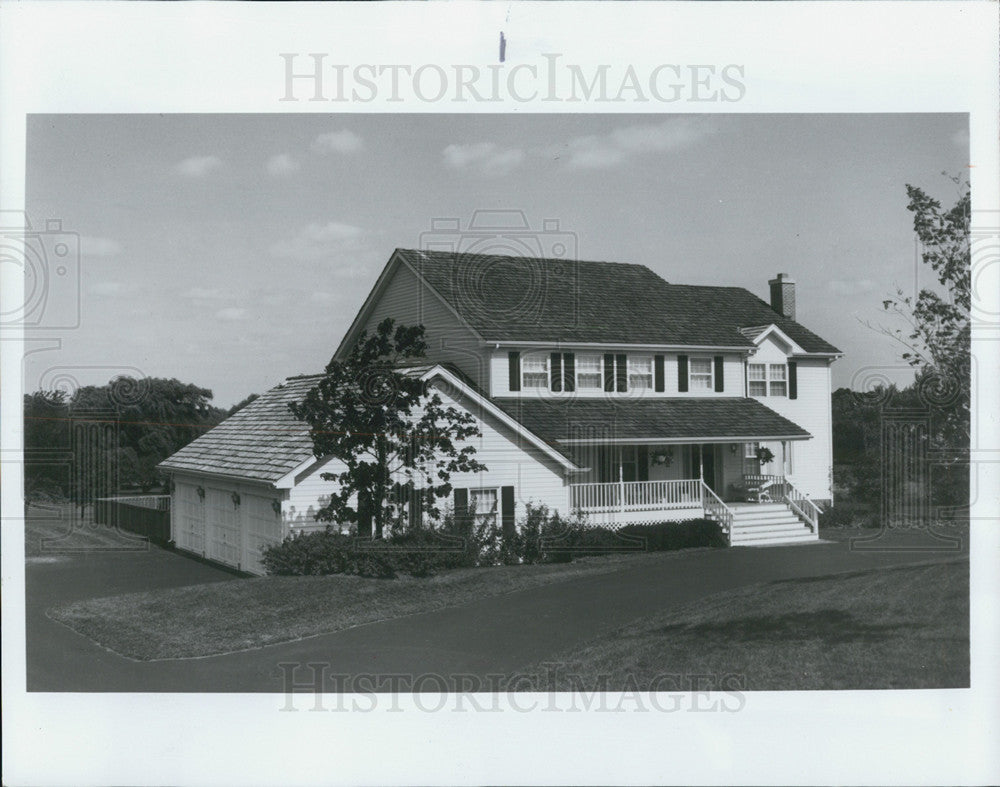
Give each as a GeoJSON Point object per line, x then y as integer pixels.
{"type": "Point", "coordinates": [707, 460]}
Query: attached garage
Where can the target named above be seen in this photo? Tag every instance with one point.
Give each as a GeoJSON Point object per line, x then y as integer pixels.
{"type": "Point", "coordinates": [233, 489]}
{"type": "Point", "coordinates": [253, 479]}
{"type": "Point", "coordinates": [227, 522]}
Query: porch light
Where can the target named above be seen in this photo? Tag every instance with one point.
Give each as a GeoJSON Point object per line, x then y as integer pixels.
{"type": "Point", "coordinates": [276, 505]}
{"type": "Point", "coordinates": [201, 492]}
{"type": "Point", "coordinates": [236, 499]}
{"type": "Point", "coordinates": [733, 448]}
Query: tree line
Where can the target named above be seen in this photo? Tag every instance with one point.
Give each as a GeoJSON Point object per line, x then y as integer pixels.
{"type": "Point", "coordinates": [101, 439]}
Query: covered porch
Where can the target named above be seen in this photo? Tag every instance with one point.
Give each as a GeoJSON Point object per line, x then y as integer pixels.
{"type": "Point", "coordinates": [646, 482]}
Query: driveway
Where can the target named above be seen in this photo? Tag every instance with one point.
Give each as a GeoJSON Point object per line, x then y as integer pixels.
{"type": "Point", "coordinates": [485, 637]}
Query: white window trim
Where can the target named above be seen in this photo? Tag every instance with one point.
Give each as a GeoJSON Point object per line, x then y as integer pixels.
{"type": "Point", "coordinates": [701, 375]}
{"type": "Point", "coordinates": [750, 450]}
{"type": "Point", "coordinates": [631, 359]}
{"type": "Point", "coordinates": [481, 516]}
{"type": "Point", "coordinates": [768, 380]}
{"type": "Point", "coordinates": [548, 372]}
{"type": "Point", "coordinates": [600, 371]}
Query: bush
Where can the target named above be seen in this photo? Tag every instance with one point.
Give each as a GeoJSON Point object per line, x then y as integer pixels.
{"type": "Point", "coordinates": [565, 541]}
{"type": "Point", "coordinates": [666, 536]}
{"type": "Point", "coordinates": [325, 552]}
{"type": "Point", "coordinates": [850, 514]}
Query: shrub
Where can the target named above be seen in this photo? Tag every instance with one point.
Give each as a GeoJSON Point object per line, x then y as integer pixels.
{"type": "Point", "coordinates": [687, 534]}
{"type": "Point", "coordinates": [849, 514]}
{"type": "Point", "coordinates": [531, 533]}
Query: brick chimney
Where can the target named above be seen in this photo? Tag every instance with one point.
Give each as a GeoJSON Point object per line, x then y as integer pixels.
{"type": "Point", "coordinates": [783, 295]}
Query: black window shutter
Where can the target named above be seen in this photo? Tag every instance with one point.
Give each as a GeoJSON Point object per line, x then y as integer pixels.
{"type": "Point", "coordinates": [507, 510]}
{"type": "Point", "coordinates": [364, 516]}
{"type": "Point", "coordinates": [682, 373]}
{"type": "Point", "coordinates": [793, 380]}
{"type": "Point", "coordinates": [609, 372]}
{"type": "Point", "coordinates": [720, 384]}
{"type": "Point", "coordinates": [659, 378]}
{"type": "Point", "coordinates": [642, 462]}
{"type": "Point", "coordinates": [415, 507]}
{"type": "Point", "coordinates": [514, 370]}
{"type": "Point", "coordinates": [621, 373]}
{"type": "Point", "coordinates": [555, 372]}
{"type": "Point", "coordinates": [569, 372]}
{"type": "Point", "coordinates": [461, 506]}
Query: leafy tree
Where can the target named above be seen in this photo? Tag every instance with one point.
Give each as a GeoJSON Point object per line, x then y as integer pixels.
{"type": "Point", "coordinates": [395, 436]}
{"type": "Point", "coordinates": [241, 404]}
{"type": "Point", "coordinates": [117, 433]}
{"type": "Point", "coordinates": [937, 342]}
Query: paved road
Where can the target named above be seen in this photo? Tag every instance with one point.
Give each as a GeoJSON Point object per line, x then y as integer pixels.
{"type": "Point", "coordinates": [485, 637]}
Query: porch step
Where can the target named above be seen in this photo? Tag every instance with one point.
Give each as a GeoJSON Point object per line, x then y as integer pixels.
{"type": "Point", "coordinates": [768, 524]}
{"type": "Point", "coordinates": [799, 538]}
{"type": "Point", "coordinates": [765, 516]}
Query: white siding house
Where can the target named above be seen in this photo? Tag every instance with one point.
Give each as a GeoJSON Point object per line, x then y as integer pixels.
{"type": "Point", "coordinates": [616, 396]}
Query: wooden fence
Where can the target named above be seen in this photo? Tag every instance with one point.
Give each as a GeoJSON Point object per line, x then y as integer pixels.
{"type": "Point", "coordinates": [146, 515]}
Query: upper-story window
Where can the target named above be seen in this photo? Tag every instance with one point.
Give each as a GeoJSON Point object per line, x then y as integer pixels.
{"type": "Point", "coordinates": [589, 374]}
{"type": "Point", "coordinates": [700, 374]}
{"type": "Point", "coordinates": [777, 374]}
{"type": "Point", "coordinates": [535, 371]}
{"type": "Point", "coordinates": [640, 372]}
{"type": "Point", "coordinates": [767, 379]}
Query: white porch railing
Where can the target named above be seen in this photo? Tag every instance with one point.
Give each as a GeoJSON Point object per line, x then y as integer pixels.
{"type": "Point", "coordinates": [635, 496]}
{"type": "Point", "coordinates": [781, 490]}
{"type": "Point", "coordinates": [715, 509]}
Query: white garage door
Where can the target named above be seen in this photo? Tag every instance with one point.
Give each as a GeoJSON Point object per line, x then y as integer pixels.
{"type": "Point", "coordinates": [189, 526]}
{"type": "Point", "coordinates": [263, 528]}
{"type": "Point", "coordinates": [222, 527]}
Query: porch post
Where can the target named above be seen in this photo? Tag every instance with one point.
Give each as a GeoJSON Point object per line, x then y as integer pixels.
{"type": "Point", "coordinates": [701, 461]}
{"type": "Point", "coordinates": [621, 481]}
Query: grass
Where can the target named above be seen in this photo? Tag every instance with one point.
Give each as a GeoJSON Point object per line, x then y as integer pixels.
{"type": "Point", "coordinates": [203, 620]}
{"type": "Point", "coordinates": [57, 529]}
{"type": "Point", "coordinates": [905, 627]}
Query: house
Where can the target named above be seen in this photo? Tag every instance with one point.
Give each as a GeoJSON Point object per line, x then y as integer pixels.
{"type": "Point", "coordinates": [599, 388]}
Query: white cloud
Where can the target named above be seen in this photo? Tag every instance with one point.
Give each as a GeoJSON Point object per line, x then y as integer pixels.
{"type": "Point", "coordinates": [282, 164]}
{"type": "Point", "coordinates": [198, 166]}
{"type": "Point", "coordinates": [343, 141]}
{"type": "Point", "coordinates": [608, 150]}
{"type": "Point", "coordinates": [322, 297]}
{"type": "Point", "coordinates": [99, 247]}
{"type": "Point", "coordinates": [206, 294]}
{"type": "Point", "coordinates": [851, 286]}
{"type": "Point", "coordinates": [108, 288]}
{"type": "Point", "coordinates": [317, 241]}
{"type": "Point", "coordinates": [483, 157]}
{"type": "Point", "coordinates": [231, 313]}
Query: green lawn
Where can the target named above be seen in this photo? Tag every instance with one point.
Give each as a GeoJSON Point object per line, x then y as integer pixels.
{"type": "Point", "coordinates": [221, 617]}
{"type": "Point", "coordinates": [897, 628]}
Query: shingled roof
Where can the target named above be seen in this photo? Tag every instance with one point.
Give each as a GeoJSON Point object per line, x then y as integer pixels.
{"type": "Point", "coordinates": [263, 441]}
{"type": "Point", "coordinates": [535, 299]}
{"type": "Point", "coordinates": [673, 419]}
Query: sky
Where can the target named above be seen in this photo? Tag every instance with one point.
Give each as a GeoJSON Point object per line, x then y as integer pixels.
{"type": "Point", "coordinates": [232, 251]}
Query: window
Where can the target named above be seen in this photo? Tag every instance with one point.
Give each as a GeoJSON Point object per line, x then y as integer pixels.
{"type": "Point", "coordinates": [700, 374]}
{"type": "Point", "coordinates": [767, 379]}
{"type": "Point", "coordinates": [778, 374]}
{"type": "Point", "coordinates": [757, 378]}
{"type": "Point", "coordinates": [750, 450]}
{"type": "Point", "coordinates": [484, 503]}
{"type": "Point", "coordinates": [588, 372]}
{"type": "Point", "coordinates": [535, 371]}
{"type": "Point", "coordinates": [640, 372]}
